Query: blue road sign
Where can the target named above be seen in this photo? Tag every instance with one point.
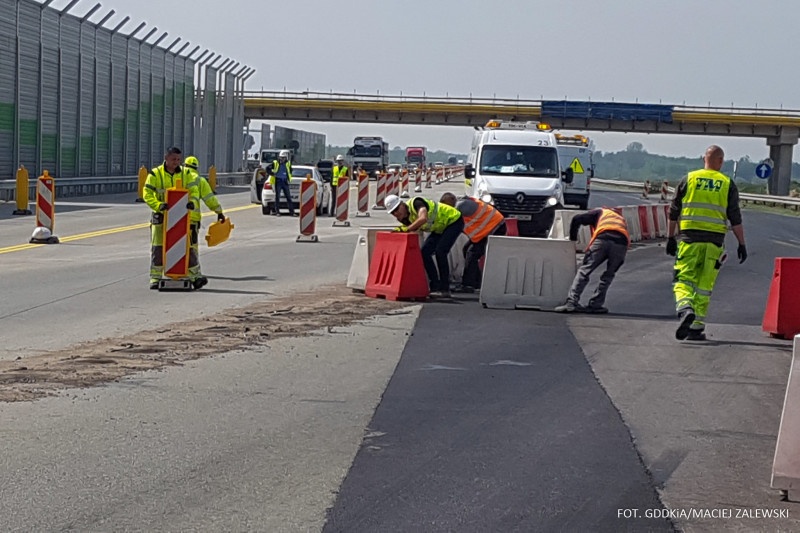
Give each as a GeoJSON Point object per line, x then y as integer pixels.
{"type": "Point", "coordinates": [763, 171]}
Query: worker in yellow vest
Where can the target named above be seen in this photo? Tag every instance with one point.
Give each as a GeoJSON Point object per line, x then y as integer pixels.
{"type": "Point", "coordinates": [444, 223]}
{"type": "Point", "coordinates": [609, 244]}
{"type": "Point", "coordinates": [202, 191]}
{"type": "Point", "coordinates": [341, 175]}
{"type": "Point", "coordinates": [705, 200]}
{"type": "Point", "coordinates": [480, 221]}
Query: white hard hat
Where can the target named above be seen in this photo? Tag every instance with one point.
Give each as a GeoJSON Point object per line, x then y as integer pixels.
{"type": "Point", "coordinates": [391, 202]}
{"type": "Point", "coordinates": [284, 153]}
{"type": "Point", "coordinates": [40, 233]}
{"type": "Point", "coordinates": [339, 157]}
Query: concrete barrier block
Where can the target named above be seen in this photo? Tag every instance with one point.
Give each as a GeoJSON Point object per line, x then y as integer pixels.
{"type": "Point", "coordinates": [560, 229]}
{"type": "Point", "coordinates": [527, 273]}
{"type": "Point", "coordinates": [631, 215]}
{"type": "Point", "coordinates": [786, 464]}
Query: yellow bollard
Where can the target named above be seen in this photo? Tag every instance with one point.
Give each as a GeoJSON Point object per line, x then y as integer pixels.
{"type": "Point", "coordinates": [212, 178]}
{"type": "Point", "coordinates": [142, 179]}
{"type": "Point", "coordinates": [22, 194]}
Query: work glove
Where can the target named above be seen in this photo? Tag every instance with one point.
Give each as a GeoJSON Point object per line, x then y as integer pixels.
{"type": "Point", "coordinates": [742, 253]}
{"type": "Point", "coordinates": [672, 246]}
{"type": "Point", "coordinates": [190, 206]}
{"type": "Point", "coordinates": [220, 217]}
{"type": "Point", "coordinates": [162, 207]}
{"type": "Point", "coordinates": [401, 229]}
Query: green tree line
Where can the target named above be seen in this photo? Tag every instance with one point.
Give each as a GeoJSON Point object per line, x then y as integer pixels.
{"type": "Point", "coordinates": [636, 164]}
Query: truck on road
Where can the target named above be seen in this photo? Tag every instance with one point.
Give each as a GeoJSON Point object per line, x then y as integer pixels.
{"type": "Point", "coordinates": [369, 153]}
{"type": "Point", "coordinates": [416, 155]}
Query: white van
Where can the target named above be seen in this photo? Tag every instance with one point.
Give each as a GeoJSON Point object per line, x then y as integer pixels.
{"type": "Point", "coordinates": [514, 166]}
{"type": "Point", "coordinates": [575, 152]}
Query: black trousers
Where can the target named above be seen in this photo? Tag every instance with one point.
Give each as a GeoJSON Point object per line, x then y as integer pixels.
{"type": "Point", "coordinates": [476, 250]}
{"type": "Point", "coordinates": [438, 245]}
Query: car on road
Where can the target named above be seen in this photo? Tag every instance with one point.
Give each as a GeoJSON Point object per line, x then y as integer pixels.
{"type": "Point", "coordinates": [394, 168]}
{"type": "Point", "coordinates": [299, 174]}
{"type": "Point", "coordinates": [437, 165]}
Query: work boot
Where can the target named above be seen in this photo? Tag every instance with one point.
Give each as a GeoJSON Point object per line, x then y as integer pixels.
{"type": "Point", "coordinates": [465, 289]}
{"type": "Point", "coordinates": [153, 285]}
{"type": "Point", "coordinates": [596, 310]}
{"type": "Point", "coordinates": [696, 335]}
{"type": "Point", "coordinates": [569, 307]}
{"type": "Point", "coordinates": [687, 317]}
{"type": "Point", "coordinates": [440, 294]}
{"type": "Point", "coordinates": [200, 282]}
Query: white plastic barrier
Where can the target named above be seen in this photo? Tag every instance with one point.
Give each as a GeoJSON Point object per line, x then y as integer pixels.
{"type": "Point", "coordinates": [631, 215]}
{"type": "Point", "coordinates": [560, 228]}
{"type": "Point", "coordinates": [786, 464]}
{"type": "Point", "coordinates": [456, 259]}
{"type": "Point", "coordinates": [359, 268]}
{"type": "Point", "coordinates": [527, 273]}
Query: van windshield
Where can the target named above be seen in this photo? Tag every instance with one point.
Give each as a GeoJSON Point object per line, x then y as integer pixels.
{"type": "Point", "coordinates": [519, 160]}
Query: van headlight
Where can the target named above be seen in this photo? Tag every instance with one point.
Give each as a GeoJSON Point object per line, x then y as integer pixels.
{"type": "Point", "coordinates": [552, 201]}
{"type": "Point", "coordinates": [486, 197]}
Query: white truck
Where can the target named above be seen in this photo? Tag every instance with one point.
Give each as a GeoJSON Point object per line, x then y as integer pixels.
{"type": "Point", "coordinates": [515, 167]}
{"type": "Point", "coordinates": [575, 152]}
{"type": "Point", "coordinates": [369, 153]}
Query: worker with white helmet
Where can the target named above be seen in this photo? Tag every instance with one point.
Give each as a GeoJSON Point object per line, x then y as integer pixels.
{"type": "Point", "coordinates": [341, 174]}
{"type": "Point", "coordinates": [280, 176]}
{"type": "Point", "coordinates": [444, 223]}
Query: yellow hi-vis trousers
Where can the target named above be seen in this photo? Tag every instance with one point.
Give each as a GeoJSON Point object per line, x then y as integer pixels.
{"type": "Point", "coordinates": [697, 265]}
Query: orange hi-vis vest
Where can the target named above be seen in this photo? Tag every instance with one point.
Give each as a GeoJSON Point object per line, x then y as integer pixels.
{"type": "Point", "coordinates": [482, 222]}
{"type": "Point", "coordinates": [610, 221]}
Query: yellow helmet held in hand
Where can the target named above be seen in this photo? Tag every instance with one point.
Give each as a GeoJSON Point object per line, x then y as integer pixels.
{"type": "Point", "coordinates": [191, 162]}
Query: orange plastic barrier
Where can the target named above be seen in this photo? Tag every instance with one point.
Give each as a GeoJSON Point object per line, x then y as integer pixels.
{"type": "Point", "coordinates": [396, 271]}
{"type": "Point", "coordinates": [782, 315]}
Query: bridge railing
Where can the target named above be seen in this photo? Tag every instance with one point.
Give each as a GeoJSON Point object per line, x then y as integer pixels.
{"type": "Point", "coordinates": [522, 102]}
{"type": "Point", "coordinates": [787, 202]}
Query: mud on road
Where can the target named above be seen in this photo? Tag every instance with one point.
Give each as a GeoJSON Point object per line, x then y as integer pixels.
{"type": "Point", "coordinates": [91, 363]}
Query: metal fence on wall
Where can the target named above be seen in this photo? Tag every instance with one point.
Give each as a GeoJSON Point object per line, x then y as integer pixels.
{"type": "Point", "coordinates": [81, 99]}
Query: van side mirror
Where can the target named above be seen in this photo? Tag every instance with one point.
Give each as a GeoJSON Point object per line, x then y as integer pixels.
{"type": "Point", "coordinates": [569, 175]}
{"type": "Point", "coordinates": [469, 172]}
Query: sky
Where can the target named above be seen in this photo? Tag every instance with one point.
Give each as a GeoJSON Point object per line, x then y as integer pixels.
{"type": "Point", "coordinates": [682, 52]}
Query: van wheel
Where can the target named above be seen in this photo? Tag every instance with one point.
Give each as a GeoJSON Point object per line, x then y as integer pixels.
{"type": "Point", "coordinates": [583, 204]}
{"type": "Point", "coordinates": [266, 209]}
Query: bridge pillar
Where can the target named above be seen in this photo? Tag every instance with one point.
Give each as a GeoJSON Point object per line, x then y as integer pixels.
{"type": "Point", "coordinates": [780, 151]}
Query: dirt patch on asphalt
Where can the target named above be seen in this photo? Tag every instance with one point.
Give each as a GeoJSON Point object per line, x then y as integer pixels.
{"type": "Point", "coordinates": [101, 361]}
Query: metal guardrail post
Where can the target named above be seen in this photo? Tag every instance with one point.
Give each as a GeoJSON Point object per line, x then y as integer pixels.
{"type": "Point", "coordinates": [23, 184]}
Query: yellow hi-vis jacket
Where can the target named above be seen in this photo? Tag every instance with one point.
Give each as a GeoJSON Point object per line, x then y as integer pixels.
{"type": "Point", "coordinates": [705, 204]}
{"type": "Point", "coordinates": [339, 172]}
{"type": "Point", "coordinates": [201, 186]}
{"type": "Point", "coordinates": [159, 180]}
{"type": "Point", "coordinates": [439, 215]}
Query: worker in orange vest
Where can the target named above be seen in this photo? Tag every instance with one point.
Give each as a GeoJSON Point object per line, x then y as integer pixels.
{"type": "Point", "coordinates": [480, 221]}
{"type": "Point", "coordinates": [609, 243]}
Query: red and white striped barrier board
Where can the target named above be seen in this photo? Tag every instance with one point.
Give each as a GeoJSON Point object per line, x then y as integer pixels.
{"type": "Point", "coordinates": [45, 201]}
{"type": "Point", "coordinates": [342, 204]}
{"type": "Point", "coordinates": [428, 178]}
{"type": "Point", "coordinates": [363, 195]}
{"type": "Point", "coordinates": [418, 181]}
{"type": "Point", "coordinates": [176, 233]}
{"type": "Point", "coordinates": [404, 183]}
{"type": "Point", "coordinates": [380, 193]}
{"type": "Point", "coordinates": [308, 210]}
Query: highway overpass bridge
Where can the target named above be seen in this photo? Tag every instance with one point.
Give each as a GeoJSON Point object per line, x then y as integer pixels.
{"type": "Point", "coordinates": [780, 128]}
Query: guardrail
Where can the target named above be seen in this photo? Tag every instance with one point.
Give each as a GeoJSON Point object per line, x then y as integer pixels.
{"type": "Point", "coordinates": [74, 187]}
{"type": "Point", "coordinates": [787, 202]}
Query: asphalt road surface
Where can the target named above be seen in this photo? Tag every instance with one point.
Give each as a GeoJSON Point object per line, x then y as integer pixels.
{"type": "Point", "coordinates": [464, 419]}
